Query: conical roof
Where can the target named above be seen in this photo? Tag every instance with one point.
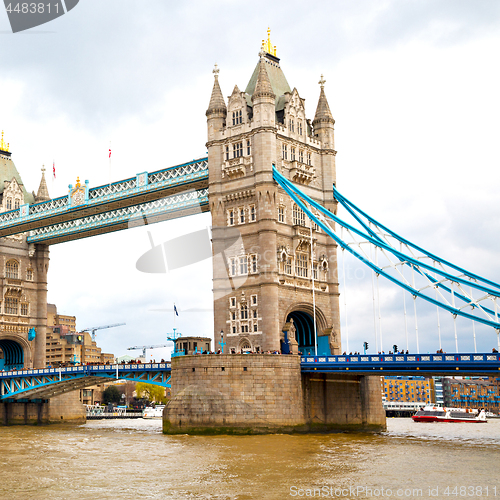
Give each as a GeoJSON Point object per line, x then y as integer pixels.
{"type": "Point", "coordinates": [274, 75]}
{"type": "Point", "coordinates": [323, 113]}
{"type": "Point", "coordinates": [43, 191]}
{"type": "Point", "coordinates": [263, 87]}
{"type": "Point", "coordinates": [217, 103]}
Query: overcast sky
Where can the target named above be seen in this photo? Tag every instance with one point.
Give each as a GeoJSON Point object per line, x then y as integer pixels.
{"type": "Point", "coordinates": [413, 87]}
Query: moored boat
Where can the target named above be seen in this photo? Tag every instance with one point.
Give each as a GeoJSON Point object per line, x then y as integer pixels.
{"type": "Point", "coordinates": [440, 414]}
{"type": "Point", "coordinates": [150, 412]}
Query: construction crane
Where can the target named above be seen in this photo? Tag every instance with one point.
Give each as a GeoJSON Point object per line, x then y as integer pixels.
{"type": "Point", "coordinates": [144, 347]}
{"type": "Point", "coordinates": [94, 328]}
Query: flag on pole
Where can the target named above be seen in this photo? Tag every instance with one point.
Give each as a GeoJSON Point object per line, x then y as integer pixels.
{"type": "Point", "coordinates": [54, 169]}
{"type": "Point", "coordinates": [109, 154]}
{"type": "Point", "coordinates": [175, 310]}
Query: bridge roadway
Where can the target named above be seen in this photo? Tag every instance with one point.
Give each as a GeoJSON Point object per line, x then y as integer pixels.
{"type": "Point", "coordinates": [42, 384]}
{"type": "Point", "coordinates": [30, 385]}
{"type": "Point", "coordinates": [160, 195]}
{"type": "Point", "coordinates": [406, 364]}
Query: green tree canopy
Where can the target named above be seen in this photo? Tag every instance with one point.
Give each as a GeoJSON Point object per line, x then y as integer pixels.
{"type": "Point", "coordinates": [111, 395]}
{"type": "Point", "coordinates": [151, 392]}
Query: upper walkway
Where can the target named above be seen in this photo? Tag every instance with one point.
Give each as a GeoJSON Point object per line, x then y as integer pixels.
{"type": "Point", "coordinates": [171, 192]}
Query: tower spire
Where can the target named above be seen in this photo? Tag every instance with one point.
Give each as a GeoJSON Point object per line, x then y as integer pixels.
{"type": "Point", "coordinates": [323, 114]}
{"type": "Point", "coordinates": [263, 87]}
{"type": "Point", "coordinates": [217, 103]}
{"type": "Point", "coordinates": [43, 191]}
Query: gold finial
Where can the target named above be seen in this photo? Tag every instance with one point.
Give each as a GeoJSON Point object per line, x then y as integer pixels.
{"type": "Point", "coordinates": [43, 169]}
{"type": "Point", "coordinates": [322, 82]}
{"type": "Point", "coordinates": [77, 182]}
{"type": "Point", "coordinates": [267, 46]}
{"type": "Point", "coordinates": [3, 145]}
{"type": "Point", "coordinates": [215, 71]}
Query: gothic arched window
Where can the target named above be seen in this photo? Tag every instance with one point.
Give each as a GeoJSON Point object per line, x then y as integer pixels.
{"type": "Point", "coordinates": [11, 305]}
{"type": "Point", "coordinates": [12, 269]}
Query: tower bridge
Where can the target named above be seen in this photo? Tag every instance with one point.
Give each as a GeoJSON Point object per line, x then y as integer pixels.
{"type": "Point", "coordinates": [270, 176]}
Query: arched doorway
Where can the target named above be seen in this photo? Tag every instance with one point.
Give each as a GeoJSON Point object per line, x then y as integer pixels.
{"type": "Point", "coordinates": [304, 330]}
{"type": "Point", "coordinates": [244, 346]}
{"type": "Point", "coordinates": [13, 355]}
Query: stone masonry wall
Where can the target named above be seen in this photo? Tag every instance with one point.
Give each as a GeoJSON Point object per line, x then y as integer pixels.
{"type": "Point", "coordinates": [337, 402]}
{"type": "Point", "coordinates": [234, 394]}
{"type": "Point", "coordinates": [66, 408]}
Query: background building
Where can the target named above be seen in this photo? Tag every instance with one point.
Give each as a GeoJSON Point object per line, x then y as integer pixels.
{"type": "Point", "coordinates": [408, 389]}
{"type": "Point", "coordinates": [60, 323]}
{"type": "Point", "coordinates": [477, 392]}
{"type": "Point", "coordinates": [66, 346]}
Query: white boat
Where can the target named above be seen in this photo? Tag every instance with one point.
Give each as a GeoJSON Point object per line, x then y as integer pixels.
{"type": "Point", "coordinates": [153, 412]}
{"type": "Point", "coordinates": [439, 414]}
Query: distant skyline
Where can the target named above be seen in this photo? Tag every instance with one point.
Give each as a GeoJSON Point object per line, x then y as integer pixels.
{"type": "Point", "coordinates": [413, 88]}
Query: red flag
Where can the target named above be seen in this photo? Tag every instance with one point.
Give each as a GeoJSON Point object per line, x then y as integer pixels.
{"type": "Point", "coordinates": [110, 153]}
{"type": "Point", "coordinates": [54, 169]}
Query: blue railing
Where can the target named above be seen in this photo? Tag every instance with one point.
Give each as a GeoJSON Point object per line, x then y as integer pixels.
{"type": "Point", "coordinates": [404, 363]}
{"type": "Point", "coordinates": [40, 383]}
{"type": "Point", "coordinates": [86, 369]}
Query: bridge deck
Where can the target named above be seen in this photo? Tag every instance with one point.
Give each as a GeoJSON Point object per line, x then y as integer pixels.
{"type": "Point", "coordinates": [405, 364]}
{"type": "Point", "coordinates": [50, 382]}
{"type": "Point", "coordinates": [110, 207]}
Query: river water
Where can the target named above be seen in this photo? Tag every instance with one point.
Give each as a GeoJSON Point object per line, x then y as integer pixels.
{"type": "Point", "coordinates": [132, 459]}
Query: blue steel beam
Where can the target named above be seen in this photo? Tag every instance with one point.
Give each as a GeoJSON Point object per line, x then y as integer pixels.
{"type": "Point", "coordinates": [404, 364]}
{"type": "Point", "coordinates": [50, 382]}
{"type": "Point", "coordinates": [144, 188]}
{"type": "Point", "coordinates": [307, 204]}
{"type": "Point", "coordinates": [170, 207]}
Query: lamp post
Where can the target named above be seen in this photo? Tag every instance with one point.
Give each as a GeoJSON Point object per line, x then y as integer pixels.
{"type": "Point", "coordinates": [222, 343]}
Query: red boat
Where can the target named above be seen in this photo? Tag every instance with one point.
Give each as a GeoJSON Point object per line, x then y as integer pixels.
{"type": "Point", "coordinates": [440, 414]}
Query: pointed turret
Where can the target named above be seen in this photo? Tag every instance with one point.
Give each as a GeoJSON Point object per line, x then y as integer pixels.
{"type": "Point", "coordinates": [323, 122]}
{"type": "Point", "coordinates": [217, 104]}
{"type": "Point", "coordinates": [217, 110]}
{"type": "Point", "coordinates": [43, 191]}
{"type": "Point", "coordinates": [263, 87]}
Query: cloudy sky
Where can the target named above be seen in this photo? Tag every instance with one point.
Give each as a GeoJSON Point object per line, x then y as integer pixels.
{"type": "Point", "coordinates": [413, 87]}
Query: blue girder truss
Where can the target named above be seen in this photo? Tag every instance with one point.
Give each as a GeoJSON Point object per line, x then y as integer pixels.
{"type": "Point", "coordinates": [112, 206]}
{"type": "Point", "coordinates": [175, 206]}
{"type": "Point", "coordinates": [427, 276]}
{"type": "Point", "coordinates": [49, 382]}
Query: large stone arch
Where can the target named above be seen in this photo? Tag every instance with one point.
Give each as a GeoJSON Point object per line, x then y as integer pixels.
{"type": "Point", "coordinates": [16, 352]}
{"type": "Point", "coordinates": [299, 322]}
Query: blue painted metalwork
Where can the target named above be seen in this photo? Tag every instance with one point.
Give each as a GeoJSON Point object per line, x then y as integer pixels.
{"type": "Point", "coordinates": [416, 364]}
{"type": "Point", "coordinates": [50, 382]}
{"type": "Point", "coordinates": [444, 283]}
{"type": "Point", "coordinates": [31, 334]}
{"type": "Point", "coordinates": [138, 190]}
{"type": "Point", "coordinates": [165, 208]}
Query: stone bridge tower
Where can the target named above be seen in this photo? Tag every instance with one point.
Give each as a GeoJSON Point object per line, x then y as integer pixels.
{"type": "Point", "coordinates": [23, 276]}
{"type": "Point", "coordinates": [262, 281]}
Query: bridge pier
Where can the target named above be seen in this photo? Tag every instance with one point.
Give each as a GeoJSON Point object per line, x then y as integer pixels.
{"type": "Point", "coordinates": [259, 393]}
{"type": "Point", "coordinates": [343, 402]}
{"type": "Point", "coordinates": [66, 408]}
